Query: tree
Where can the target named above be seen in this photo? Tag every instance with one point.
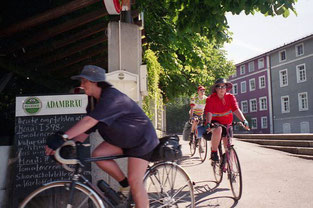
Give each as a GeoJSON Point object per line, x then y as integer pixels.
{"type": "Point", "coordinates": [187, 37]}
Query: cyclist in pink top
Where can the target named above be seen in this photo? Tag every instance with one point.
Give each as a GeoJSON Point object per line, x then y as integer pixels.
{"type": "Point", "coordinates": [219, 108]}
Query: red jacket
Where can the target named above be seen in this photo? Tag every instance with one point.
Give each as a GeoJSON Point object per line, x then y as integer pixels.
{"type": "Point", "coordinates": [222, 113]}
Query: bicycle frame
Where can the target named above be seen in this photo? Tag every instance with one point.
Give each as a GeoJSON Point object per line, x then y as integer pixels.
{"type": "Point", "coordinates": [228, 164]}
{"type": "Point", "coordinates": [91, 187]}
{"type": "Point", "coordinates": [78, 191]}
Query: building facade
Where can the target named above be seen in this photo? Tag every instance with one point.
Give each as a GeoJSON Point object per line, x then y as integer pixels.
{"type": "Point", "coordinates": [292, 84]}
{"type": "Point", "coordinates": [275, 90]}
{"type": "Point", "coordinates": [251, 86]}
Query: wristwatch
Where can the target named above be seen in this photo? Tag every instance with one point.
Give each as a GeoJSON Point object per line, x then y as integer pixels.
{"type": "Point", "coordinates": [65, 137]}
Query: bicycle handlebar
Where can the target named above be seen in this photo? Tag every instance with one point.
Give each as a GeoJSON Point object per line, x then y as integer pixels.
{"type": "Point", "coordinates": [215, 125]}
{"type": "Point", "coordinates": [63, 161]}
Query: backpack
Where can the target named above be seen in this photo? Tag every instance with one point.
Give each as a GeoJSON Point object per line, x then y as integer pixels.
{"type": "Point", "coordinates": [168, 149]}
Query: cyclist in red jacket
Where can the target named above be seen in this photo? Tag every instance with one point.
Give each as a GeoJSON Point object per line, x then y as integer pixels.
{"type": "Point", "coordinates": [219, 108]}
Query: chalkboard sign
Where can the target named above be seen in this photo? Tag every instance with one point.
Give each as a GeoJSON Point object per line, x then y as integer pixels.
{"type": "Point", "coordinates": [36, 118]}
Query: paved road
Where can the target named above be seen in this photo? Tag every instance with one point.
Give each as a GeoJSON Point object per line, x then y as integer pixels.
{"type": "Point", "coordinates": [271, 179]}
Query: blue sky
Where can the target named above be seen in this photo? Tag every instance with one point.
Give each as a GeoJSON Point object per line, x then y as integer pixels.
{"type": "Point", "coordinates": [257, 34]}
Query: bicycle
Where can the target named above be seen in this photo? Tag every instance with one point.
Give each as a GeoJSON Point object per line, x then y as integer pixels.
{"type": "Point", "coordinates": [201, 143]}
{"type": "Point", "coordinates": [229, 162]}
{"type": "Point", "coordinates": [167, 185]}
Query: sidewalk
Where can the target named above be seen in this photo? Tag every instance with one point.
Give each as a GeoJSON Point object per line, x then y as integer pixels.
{"type": "Point", "coordinates": [271, 179]}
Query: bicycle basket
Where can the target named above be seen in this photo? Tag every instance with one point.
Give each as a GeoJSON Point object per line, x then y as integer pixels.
{"type": "Point", "coordinates": [168, 149]}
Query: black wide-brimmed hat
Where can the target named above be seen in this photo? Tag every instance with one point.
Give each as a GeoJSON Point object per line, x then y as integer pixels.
{"type": "Point", "coordinates": [229, 85]}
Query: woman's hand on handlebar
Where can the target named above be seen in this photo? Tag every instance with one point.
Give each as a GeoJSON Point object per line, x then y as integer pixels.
{"type": "Point", "coordinates": [53, 142]}
{"type": "Point", "coordinates": [208, 126]}
{"type": "Point", "coordinates": [244, 125]}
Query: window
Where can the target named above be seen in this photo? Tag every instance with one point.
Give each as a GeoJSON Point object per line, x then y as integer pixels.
{"type": "Point", "coordinates": [262, 83]}
{"type": "Point", "coordinates": [254, 123]}
{"type": "Point", "coordinates": [244, 106]}
{"type": "Point", "coordinates": [242, 69]}
{"type": "Point", "coordinates": [235, 89]}
{"type": "Point", "coordinates": [251, 66]}
{"type": "Point", "coordinates": [301, 73]}
{"type": "Point", "coordinates": [264, 122]}
{"type": "Point", "coordinates": [305, 127]}
{"type": "Point", "coordinates": [253, 105]}
{"type": "Point", "coordinates": [252, 84]}
{"type": "Point", "coordinates": [299, 50]}
{"type": "Point", "coordinates": [303, 101]}
{"type": "Point", "coordinates": [261, 63]}
{"type": "Point", "coordinates": [285, 108]}
{"type": "Point", "coordinates": [243, 87]}
{"type": "Point", "coordinates": [283, 78]}
{"type": "Point", "coordinates": [286, 128]}
{"type": "Point", "coordinates": [263, 103]}
{"type": "Point", "coordinates": [282, 56]}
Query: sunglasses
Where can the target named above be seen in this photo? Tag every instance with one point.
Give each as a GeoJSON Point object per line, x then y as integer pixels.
{"type": "Point", "coordinates": [221, 87]}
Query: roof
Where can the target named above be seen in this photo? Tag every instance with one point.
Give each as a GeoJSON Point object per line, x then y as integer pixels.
{"type": "Point", "coordinates": [49, 41]}
{"type": "Point", "coordinates": [276, 49]}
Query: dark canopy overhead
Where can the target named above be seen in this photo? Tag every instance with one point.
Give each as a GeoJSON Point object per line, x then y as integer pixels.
{"type": "Point", "coordinates": [48, 41]}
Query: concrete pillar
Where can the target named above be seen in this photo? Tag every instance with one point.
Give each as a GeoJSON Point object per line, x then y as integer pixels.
{"type": "Point", "coordinates": [4, 156]}
{"type": "Point", "coordinates": [124, 47]}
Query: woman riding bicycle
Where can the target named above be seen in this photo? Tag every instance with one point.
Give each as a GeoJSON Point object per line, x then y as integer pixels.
{"type": "Point", "coordinates": [197, 104]}
{"type": "Point", "coordinates": [219, 108]}
{"type": "Point", "coordinates": [124, 127]}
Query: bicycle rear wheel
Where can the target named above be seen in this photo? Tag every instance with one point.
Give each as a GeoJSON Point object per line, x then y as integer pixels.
{"type": "Point", "coordinates": [234, 173]}
{"type": "Point", "coordinates": [168, 185]}
{"type": "Point", "coordinates": [56, 195]}
{"type": "Point", "coordinates": [203, 146]}
{"type": "Point", "coordinates": [193, 145]}
{"type": "Point", "coordinates": [218, 166]}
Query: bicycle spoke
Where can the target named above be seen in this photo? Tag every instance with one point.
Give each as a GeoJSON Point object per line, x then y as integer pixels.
{"type": "Point", "coordinates": [202, 149]}
{"type": "Point", "coordinates": [234, 173]}
{"type": "Point", "coordinates": [84, 201]}
{"type": "Point", "coordinates": [56, 195]}
{"type": "Point", "coordinates": [168, 186]}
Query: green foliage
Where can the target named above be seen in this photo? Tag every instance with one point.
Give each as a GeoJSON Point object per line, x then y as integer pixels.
{"type": "Point", "coordinates": [154, 97]}
{"type": "Point", "coordinates": [187, 37]}
{"type": "Point", "coordinates": [207, 17]}
{"type": "Point", "coordinates": [177, 115]}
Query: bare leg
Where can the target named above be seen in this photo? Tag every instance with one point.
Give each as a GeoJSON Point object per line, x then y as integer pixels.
{"type": "Point", "coordinates": [109, 166]}
{"type": "Point", "coordinates": [216, 137]}
{"type": "Point", "coordinates": [193, 126]}
{"type": "Point", "coordinates": [136, 171]}
{"type": "Point", "coordinates": [225, 143]}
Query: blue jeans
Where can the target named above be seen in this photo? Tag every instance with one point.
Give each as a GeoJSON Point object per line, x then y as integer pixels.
{"type": "Point", "coordinates": [201, 130]}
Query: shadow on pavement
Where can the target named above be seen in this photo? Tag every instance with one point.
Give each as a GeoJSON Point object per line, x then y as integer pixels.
{"type": "Point", "coordinates": [187, 161]}
{"type": "Point", "coordinates": [204, 198]}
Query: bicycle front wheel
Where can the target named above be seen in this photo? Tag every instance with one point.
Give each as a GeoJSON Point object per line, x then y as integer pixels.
{"type": "Point", "coordinates": [168, 185]}
{"type": "Point", "coordinates": [57, 195]}
{"type": "Point", "coordinates": [217, 166]}
{"type": "Point", "coordinates": [234, 173]}
{"type": "Point", "coordinates": [203, 149]}
{"type": "Point", "coordinates": [193, 145]}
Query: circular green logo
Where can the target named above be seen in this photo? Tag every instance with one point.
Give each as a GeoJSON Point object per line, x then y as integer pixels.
{"type": "Point", "coordinates": [32, 105]}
